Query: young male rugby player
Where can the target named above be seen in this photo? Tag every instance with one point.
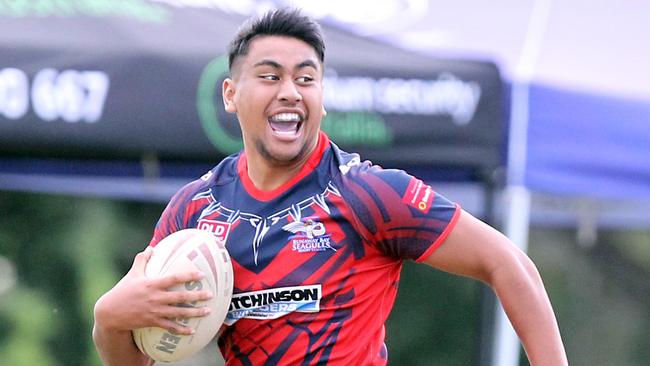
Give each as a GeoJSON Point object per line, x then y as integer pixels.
{"type": "Point", "coordinates": [317, 235]}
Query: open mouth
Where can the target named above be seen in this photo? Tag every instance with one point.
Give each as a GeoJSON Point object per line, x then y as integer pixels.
{"type": "Point", "coordinates": [285, 123]}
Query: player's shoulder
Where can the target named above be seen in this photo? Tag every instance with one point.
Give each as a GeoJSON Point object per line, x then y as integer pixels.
{"type": "Point", "coordinates": [345, 162]}
{"type": "Point", "coordinates": [223, 173]}
{"type": "Point", "coordinates": [351, 165]}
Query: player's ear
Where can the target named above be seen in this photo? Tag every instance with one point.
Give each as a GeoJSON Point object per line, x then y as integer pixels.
{"type": "Point", "coordinates": [228, 94]}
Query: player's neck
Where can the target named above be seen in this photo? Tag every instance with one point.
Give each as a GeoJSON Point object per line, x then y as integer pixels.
{"type": "Point", "coordinates": [267, 176]}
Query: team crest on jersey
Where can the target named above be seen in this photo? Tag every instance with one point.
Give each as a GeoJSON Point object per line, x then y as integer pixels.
{"type": "Point", "coordinates": [219, 228]}
{"type": "Point", "coordinates": [310, 236]}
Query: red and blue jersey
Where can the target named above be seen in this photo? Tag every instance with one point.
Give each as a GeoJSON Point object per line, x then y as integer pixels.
{"type": "Point", "coordinates": [317, 261]}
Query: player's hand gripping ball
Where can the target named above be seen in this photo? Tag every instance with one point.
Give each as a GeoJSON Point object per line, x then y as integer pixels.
{"type": "Point", "coordinates": [183, 251]}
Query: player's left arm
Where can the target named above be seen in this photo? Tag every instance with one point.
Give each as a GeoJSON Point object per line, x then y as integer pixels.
{"type": "Point", "coordinates": [476, 250]}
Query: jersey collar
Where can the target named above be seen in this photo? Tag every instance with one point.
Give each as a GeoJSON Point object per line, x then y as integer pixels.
{"type": "Point", "coordinates": [310, 165]}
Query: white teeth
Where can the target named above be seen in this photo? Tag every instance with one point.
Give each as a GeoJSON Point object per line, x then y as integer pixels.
{"type": "Point", "coordinates": [286, 117]}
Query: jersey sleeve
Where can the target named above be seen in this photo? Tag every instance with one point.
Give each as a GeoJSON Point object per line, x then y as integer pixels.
{"type": "Point", "coordinates": [397, 213]}
{"type": "Point", "coordinates": [175, 215]}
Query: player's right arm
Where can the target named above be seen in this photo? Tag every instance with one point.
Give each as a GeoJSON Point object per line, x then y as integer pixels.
{"type": "Point", "coordinates": [137, 302]}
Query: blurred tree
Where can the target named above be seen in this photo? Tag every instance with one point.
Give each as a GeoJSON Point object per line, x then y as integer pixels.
{"type": "Point", "coordinates": [435, 320]}
{"type": "Point", "coordinates": [600, 294]}
{"type": "Point", "coordinates": [70, 250]}
{"type": "Point", "coordinates": [94, 252]}
{"type": "Point", "coordinates": [27, 317]}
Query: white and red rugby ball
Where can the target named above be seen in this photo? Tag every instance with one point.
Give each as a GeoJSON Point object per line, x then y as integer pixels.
{"type": "Point", "coordinates": [183, 251]}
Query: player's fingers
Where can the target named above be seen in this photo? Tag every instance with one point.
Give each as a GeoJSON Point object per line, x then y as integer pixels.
{"type": "Point", "coordinates": [179, 278]}
{"type": "Point", "coordinates": [141, 260]}
{"type": "Point", "coordinates": [185, 297]}
{"type": "Point", "coordinates": [174, 327]}
{"type": "Point", "coordinates": [184, 312]}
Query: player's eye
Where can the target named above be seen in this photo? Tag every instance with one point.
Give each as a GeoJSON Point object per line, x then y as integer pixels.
{"type": "Point", "coordinates": [272, 77]}
{"type": "Point", "coordinates": [305, 79]}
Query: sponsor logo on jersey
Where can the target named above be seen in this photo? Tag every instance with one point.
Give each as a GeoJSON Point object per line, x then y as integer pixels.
{"type": "Point", "coordinates": [219, 228]}
{"type": "Point", "coordinates": [418, 195]}
{"type": "Point", "coordinates": [274, 303]}
{"type": "Point", "coordinates": [310, 236]}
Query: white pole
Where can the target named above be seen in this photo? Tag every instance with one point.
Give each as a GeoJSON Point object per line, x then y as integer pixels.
{"type": "Point", "coordinates": [507, 347]}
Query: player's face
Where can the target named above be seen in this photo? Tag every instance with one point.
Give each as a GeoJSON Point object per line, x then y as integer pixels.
{"type": "Point", "coordinates": [276, 91]}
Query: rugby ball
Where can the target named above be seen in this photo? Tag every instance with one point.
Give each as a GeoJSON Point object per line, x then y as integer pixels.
{"type": "Point", "coordinates": [183, 251]}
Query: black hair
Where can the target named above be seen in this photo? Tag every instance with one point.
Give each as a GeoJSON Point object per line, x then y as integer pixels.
{"type": "Point", "coordinates": [281, 22]}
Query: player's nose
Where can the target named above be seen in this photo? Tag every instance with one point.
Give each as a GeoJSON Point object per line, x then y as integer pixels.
{"type": "Point", "coordinates": [289, 92]}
